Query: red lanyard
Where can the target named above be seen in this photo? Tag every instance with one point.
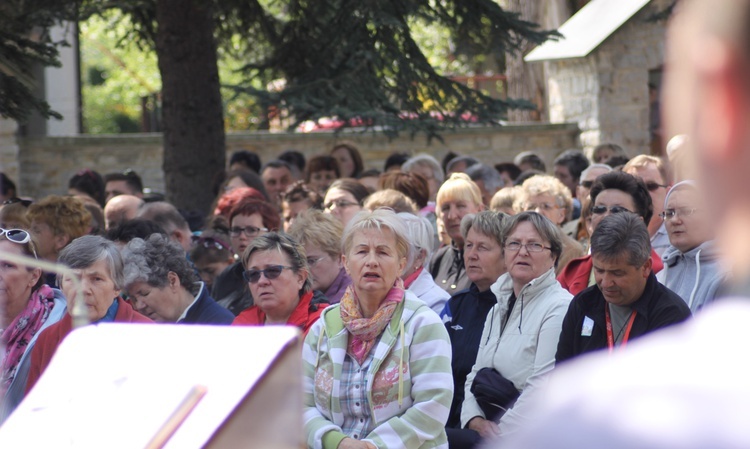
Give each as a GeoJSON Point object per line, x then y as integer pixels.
{"type": "Point", "coordinates": [610, 336]}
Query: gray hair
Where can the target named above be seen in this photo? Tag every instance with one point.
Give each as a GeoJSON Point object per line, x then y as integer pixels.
{"type": "Point", "coordinates": [377, 219]}
{"type": "Point", "coordinates": [151, 260]}
{"type": "Point", "coordinates": [489, 222]}
{"type": "Point", "coordinates": [543, 226]}
{"type": "Point", "coordinates": [285, 244]}
{"type": "Point", "coordinates": [421, 236]}
{"type": "Point", "coordinates": [468, 160]}
{"type": "Point", "coordinates": [87, 250]}
{"type": "Point", "coordinates": [425, 160]}
{"type": "Point", "coordinates": [488, 175]}
{"type": "Point", "coordinates": [595, 167]}
{"type": "Point", "coordinates": [622, 234]}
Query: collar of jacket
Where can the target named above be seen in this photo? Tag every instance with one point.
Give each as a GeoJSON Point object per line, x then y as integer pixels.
{"type": "Point", "coordinates": [707, 249]}
{"type": "Point", "coordinates": [503, 287]}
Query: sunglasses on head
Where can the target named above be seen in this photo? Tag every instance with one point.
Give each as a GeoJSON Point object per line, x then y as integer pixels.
{"type": "Point", "coordinates": [18, 236]}
{"type": "Point", "coordinates": [252, 276]}
{"type": "Point", "coordinates": [208, 242]}
{"type": "Point", "coordinates": [24, 203]}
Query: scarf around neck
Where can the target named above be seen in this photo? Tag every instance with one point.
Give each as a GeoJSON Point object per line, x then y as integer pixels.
{"type": "Point", "coordinates": [364, 331]}
{"type": "Point", "coordinates": [22, 329]}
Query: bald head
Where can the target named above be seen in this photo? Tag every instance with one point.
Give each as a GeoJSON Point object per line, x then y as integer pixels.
{"type": "Point", "coordinates": [121, 208]}
{"type": "Point", "coordinates": [170, 219]}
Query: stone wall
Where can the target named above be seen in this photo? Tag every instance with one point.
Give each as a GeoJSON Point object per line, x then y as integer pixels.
{"type": "Point", "coordinates": [623, 63]}
{"type": "Point", "coordinates": [46, 164]}
{"type": "Point", "coordinates": [9, 149]}
{"type": "Point", "coordinates": [573, 87]}
{"type": "Point", "coordinates": [606, 93]}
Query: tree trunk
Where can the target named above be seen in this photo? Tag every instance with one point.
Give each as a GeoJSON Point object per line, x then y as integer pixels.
{"type": "Point", "coordinates": [526, 81]}
{"type": "Point", "coordinates": [192, 114]}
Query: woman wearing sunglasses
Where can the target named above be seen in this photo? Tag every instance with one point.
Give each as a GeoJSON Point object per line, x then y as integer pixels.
{"type": "Point", "coordinates": [611, 193]}
{"type": "Point", "coordinates": [27, 307]}
{"type": "Point", "coordinates": [279, 280]}
{"type": "Point", "coordinates": [248, 219]}
{"type": "Point", "coordinates": [162, 285]}
{"type": "Point", "coordinates": [377, 366]}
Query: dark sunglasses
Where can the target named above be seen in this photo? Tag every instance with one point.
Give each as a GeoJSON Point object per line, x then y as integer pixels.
{"type": "Point", "coordinates": [599, 210]}
{"type": "Point", "coordinates": [252, 276]}
{"type": "Point", "coordinates": [587, 184]}
{"type": "Point", "coordinates": [20, 237]}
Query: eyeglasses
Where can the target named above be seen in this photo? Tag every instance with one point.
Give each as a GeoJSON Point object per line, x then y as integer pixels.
{"type": "Point", "coordinates": [599, 210]}
{"type": "Point", "coordinates": [668, 214]}
{"type": "Point", "coordinates": [532, 247]}
{"type": "Point", "coordinates": [586, 184]}
{"type": "Point", "coordinates": [653, 186]}
{"type": "Point", "coordinates": [271, 273]}
{"type": "Point", "coordinates": [311, 261]}
{"type": "Point", "coordinates": [542, 206]}
{"type": "Point", "coordinates": [209, 242]}
{"type": "Point", "coordinates": [250, 231]}
{"type": "Point", "coordinates": [340, 204]}
{"type": "Point", "coordinates": [19, 236]}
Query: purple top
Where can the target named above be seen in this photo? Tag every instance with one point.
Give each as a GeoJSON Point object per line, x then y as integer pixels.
{"type": "Point", "coordinates": [338, 287]}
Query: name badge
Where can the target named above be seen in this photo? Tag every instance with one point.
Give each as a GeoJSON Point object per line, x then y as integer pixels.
{"type": "Point", "coordinates": [588, 327]}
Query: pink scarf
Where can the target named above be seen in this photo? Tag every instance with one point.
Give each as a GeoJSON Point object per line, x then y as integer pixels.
{"type": "Point", "coordinates": [20, 332]}
{"type": "Point", "coordinates": [363, 330]}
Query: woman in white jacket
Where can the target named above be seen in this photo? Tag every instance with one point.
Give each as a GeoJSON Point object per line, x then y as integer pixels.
{"type": "Point", "coordinates": [521, 332]}
{"type": "Point", "coordinates": [416, 276]}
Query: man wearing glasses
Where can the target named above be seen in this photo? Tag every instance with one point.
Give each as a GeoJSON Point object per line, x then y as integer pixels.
{"type": "Point", "coordinates": [611, 193]}
{"type": "Point", "coordinates": [654, 172]}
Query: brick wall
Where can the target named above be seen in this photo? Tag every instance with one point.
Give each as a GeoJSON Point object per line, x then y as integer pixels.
{"type": "Point", "coordinates": [46, 164]}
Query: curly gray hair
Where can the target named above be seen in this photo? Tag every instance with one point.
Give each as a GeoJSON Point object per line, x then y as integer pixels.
{"type": "Point", "coordinates": [152, 259]}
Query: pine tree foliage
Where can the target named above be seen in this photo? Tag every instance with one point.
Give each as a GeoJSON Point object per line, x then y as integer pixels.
{"type": "Point", "coordinates": [357, 61]}
{"type": "Point", "coordinates": [23, 45]}
{"type": "Point", "coordinates": [353, 60]}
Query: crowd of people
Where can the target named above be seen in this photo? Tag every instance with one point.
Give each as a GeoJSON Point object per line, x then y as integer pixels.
{"type": "Point", "coordinates": [434, 297]}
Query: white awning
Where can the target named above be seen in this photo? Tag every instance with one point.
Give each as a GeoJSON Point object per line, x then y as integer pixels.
{"type": "Point", "coordinates": [588, 28]}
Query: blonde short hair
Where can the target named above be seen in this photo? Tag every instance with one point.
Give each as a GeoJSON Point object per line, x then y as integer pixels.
{"type": "Point", "coordinates": [643, 160]}
{"type": "Point", "coordinates": [377, 219]}
{"type": "Point", "coordinates": [505, 199]}
{"type": "Point", "coordinates": [546, 185]}
{"type": "Point", "coordinates": [458, 187]}
{"type": "Point", "coordinates": [315, 227]}
{"type": "Point", "coordinates": [392, 199]}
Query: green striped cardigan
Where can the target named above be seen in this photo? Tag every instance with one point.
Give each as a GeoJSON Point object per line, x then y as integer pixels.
{"type": "Point", "coordinates": [409, 406]}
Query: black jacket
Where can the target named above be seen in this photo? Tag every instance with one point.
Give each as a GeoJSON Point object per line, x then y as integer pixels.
{"type": "Point", "coordinates": [447, 268]}
{"type": "Point", "coordinates": [464, 317]}
{"type": "Point", "coordinates": [230, 289]}
{"type": "Point", "coordinates": [657, 307]}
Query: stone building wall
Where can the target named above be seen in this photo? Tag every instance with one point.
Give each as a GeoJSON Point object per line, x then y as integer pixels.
{"type": "Point", "coordinates": [623, 63]}
{"type": "Point", "coordinates": [9, 149]}
{"type": "Point", "coordinates": [573, 96]}
{"type": "Point", "coordinates": [606, 93]}
{"type": "Point", "coordinates": [46, 164]}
